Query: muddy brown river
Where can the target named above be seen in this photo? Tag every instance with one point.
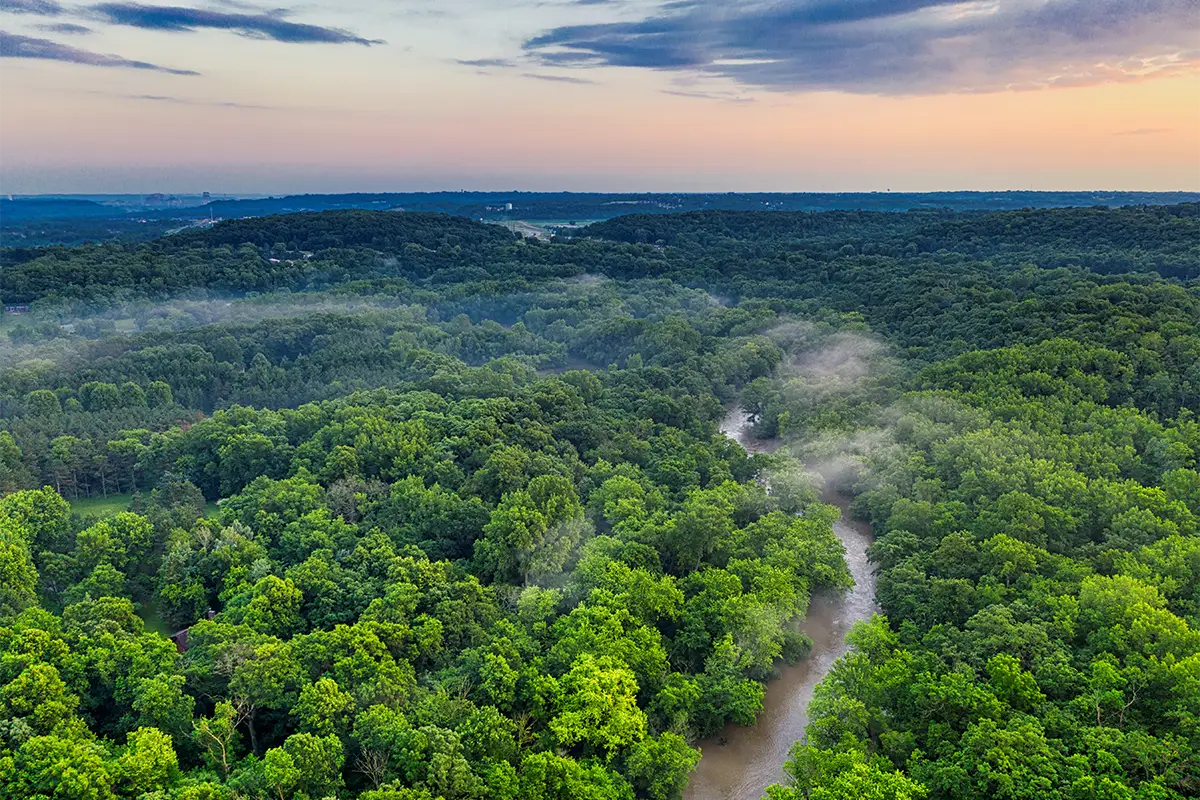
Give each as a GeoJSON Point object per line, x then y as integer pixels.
{"type": "Point", "coordinates": [740, 763]}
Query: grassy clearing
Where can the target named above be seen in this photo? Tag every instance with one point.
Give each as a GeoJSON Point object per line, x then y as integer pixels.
{"type": "Point", "coordinates": [116, 503]}
{"type": "Point", "coordinates": [10, 322]}
{"type": "Point", "coordinates": [102, 506]}
{"type": "Point", "coordinates": [150, 614]}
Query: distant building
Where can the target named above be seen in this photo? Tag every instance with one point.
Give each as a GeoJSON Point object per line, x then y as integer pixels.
{"type": "Point", "coordinates": [16, 308]}
{"type": "Point", "coordinates": [181, 638]}
{"type": "Point", "coordinates": [508, 206]}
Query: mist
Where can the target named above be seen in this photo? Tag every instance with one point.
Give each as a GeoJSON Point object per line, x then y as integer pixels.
{"type": "Point", "coordinates": [836, 388]}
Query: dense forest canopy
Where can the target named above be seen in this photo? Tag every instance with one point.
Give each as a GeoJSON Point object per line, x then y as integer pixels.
{"type": "Point", "coordinates": [445, 512]}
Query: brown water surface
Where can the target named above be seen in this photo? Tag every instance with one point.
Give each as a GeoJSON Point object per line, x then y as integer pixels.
{"type": "Point", "coordinates": [740, 763]}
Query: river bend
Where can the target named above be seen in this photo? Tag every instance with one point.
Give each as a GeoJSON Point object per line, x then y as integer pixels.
{"type": "Point", "coordinates": [740, 762]}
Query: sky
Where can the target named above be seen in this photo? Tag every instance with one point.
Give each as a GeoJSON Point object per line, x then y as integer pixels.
{"type": "Point", "coordinates": [231, 96]}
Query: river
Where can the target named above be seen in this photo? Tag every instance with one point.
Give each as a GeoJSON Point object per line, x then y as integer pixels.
{"type": "Point", "coordinates": [741, 762]}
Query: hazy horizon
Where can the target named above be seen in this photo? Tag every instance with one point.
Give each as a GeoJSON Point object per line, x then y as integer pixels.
{"type": "Point", "coordinates": [176, 182]}
{"type": "Point", "coordinates": [192, 192]}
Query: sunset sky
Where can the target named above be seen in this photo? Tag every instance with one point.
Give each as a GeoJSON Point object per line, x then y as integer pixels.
{"type": "Point", "coordinates": [607, 95]}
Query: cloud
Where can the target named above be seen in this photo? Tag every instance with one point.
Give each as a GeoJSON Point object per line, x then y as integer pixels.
{"type": "Point", "coordinates": [894, 47]}
{"type": "Point", "coordinates": [14, 46]}
{"type": "Point", "coordinates": [728, 98]}
{"type": "Point", "coordinates": [270, 25]}
{"type": "Point", "coordinates": [65, 27]}
{"type": "Point", "coordinates": [43, 8]}
{"type": "Point", "coordinates": [1142, 132]}
{"type": "Point", "coordinates": [186, 101]}
{"type": "Point", "coordinates": [485, 62]}
{"type": "Point", "coordinates": [556, 78]}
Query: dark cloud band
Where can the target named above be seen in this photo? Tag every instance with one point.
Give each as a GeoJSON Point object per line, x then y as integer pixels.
{"type": "Point", "coordinates": [485, 63]}
{"type": "Point", "coordinates": [556, 78]}
{"type": "Point", "coordinates": [894, 46]}
{"type": "Point", "coordinates": [65, 27]}
{"type": "Point", "coordinates": [259, 26]}
{"type": "Point", "coordinates": [15, 46]}
{"type": "Point", "coordinates": [43, 8]}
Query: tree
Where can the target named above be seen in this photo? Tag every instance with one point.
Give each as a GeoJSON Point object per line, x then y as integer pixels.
{"type": "Point", "coordinates": [44, 515]}
{"type": "Point", "coordinates": [119, 540]}
{"type": "Point", "coordinates": [105, 580]}
{"type": "Point", "coordinates": [158, 394]}
{"type": "Point", "coordinates": [217, 736]}
{"type": "Point", "coordinates": [659, 766]}
{"type": "Point", "coordinates": [132, 395]}
{"type": "Point", "coordinates": [50, 766]}
{"type": "Point", "coordinates": [323, 709]}
{"type": "Point", "coordinates": [317, 761]}
{"type": "Point", "coordinates": [381, 733]}
{"type": "Point", "coordinates": [547, 776]}
{"type": "Point", "coordinates": [126, 454]}
{"type": "Point", "coordinates": [39, 697]}
{"type": "Point", "coordinates": [13, 474]}
{"type": "Point", "coordinates": [706, 518]}
{"type": "Point", "coordinates": [275, 607]}
{"type": "Point", "coordinates": [599, 707]}
{"type": "Point", "coordinates": [99, 396]}
{"type": "Point", "coordinates": [148, 761]}
{"type": "Point", "coordinates": [1014, 761]}
{"type": "Point", "coordinates": [509, 538]}
{"type": "Point", "coordinates": [18, 576]}
{"type": "Point", "coordinates": [281, 772]}
{"type": "Point", "coordinates": [816, 774]}
{"type": "Point", "coordinates": [161, 703]}
{"type": "Point", "coordinates": [68, 455]}
{"type": "Point", "coordinates": [432, 757]}
{"type": "Point", "coordinates": [42, 403]}
{"type": "Point", "coordinates": [533, 532]}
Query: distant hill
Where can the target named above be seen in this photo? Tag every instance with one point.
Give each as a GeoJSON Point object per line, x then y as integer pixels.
{"type": "Point", "coordinates": [574, 206]}
{"type": "Point", "coordinates": [23, 209]}
{"type": "Point", "coordinates": [46, 221]}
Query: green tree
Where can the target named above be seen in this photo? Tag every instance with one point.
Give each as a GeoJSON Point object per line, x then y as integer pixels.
{"type": "Point", "coordinates": [39, 697]}
{"type": "Point", "coordinates": [323, 709]}
{"type": "Point", "coordinates": [318, 762]}
{"type": "Point", "coordinates": [18, 576]}
{"type": "Point", "coordinates": [217, 736]}
{"type": "Point", "coordinates": [53, 767]}
{"type": "Point", "coordinates": [159, 395]}
{"type": "Point", "coordinates": [548, 776]}
{"type": "Point", "coordinates": [815, 774]}
{"type": "Point", "coordinates": [161, 703]}
{"type": "Point", "coordinates": [148, 762]}
{"type": "Point", "coordinates": [659, 766]}
{"type": "Point", "coordinates": [599, 707]}
{"type": "Point", "coordinates": [13, 474]}
{"type": "Point", "coordinates": [533, 532]}
{"type": "Point", "coordinates": [275, 607]}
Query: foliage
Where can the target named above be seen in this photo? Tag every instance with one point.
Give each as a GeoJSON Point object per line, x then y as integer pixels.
{"type": "Point", "coordinates": [479, 535]}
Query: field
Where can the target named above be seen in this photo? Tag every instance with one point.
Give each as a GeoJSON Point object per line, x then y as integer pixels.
{"type": "Point", "coordinates": [101, 507]}
{"type": "Point", "coordinates": [10, 322]}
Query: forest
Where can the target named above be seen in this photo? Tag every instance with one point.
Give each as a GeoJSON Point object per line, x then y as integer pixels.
{"type": "Point", "coordinates": [404, 506]}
